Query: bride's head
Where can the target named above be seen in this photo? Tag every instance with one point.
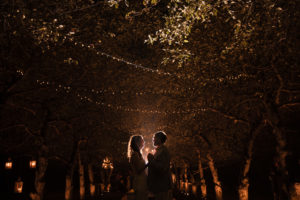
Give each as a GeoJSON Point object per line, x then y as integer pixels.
{"type": "Point", "coordinates": [136, 143]}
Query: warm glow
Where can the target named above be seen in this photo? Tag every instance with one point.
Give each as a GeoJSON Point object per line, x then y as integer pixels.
{"type": "Point", "coordinates": [297, 188]}
{"type": "Point", "coordinates": [108, 188]}
{"type": "Point", "coordinates": [243, 193]}
{"type": "Point", "coordinates": [32, 164]}
{"type": "Point", "coordinates": [186, 187]}
{"type": "Point", "coordinates": [102, 186]}
{"type": "Point", "coordinates": [18, 186]}
{"type": "Point", "coordinates": [194, 189]}
{"type": "Point", "coordinates": [107, 164]}
{"type": "Point", "coordinates": [203, 190]}
{"type": "Point", "coordinates": [181, 186]}
{"type": "Point", "coordinates": [173, 178]}
{"type": "Point", "coordinates": [92, 189]}
{"type": "Point", "coordinates": [8, 165]}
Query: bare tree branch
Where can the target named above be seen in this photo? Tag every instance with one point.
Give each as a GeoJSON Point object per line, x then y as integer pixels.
{"type": "Point", "coordinates": [288, 105]}
{"type": "Point", "coordinates": [81, 9]}
{"type": "Point", "coordinates": [24, 108]}
{"type": "Point", "coordinates": [236, 120]}
{"type": "Point", "coordinates": [281, 83]}
{"type": "Point", "coordinates": [18, 125]}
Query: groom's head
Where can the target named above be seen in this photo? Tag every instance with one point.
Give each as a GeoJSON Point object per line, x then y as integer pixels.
{"type": "Point", "coordinates": [159, 138]}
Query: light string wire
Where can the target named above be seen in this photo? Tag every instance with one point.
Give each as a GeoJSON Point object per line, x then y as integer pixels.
{"type": "Point", "coordinates": [69, 89]}
{"type": "Point", "coordinates": [177, 91]}
{"type": "Point", "coordinates": [147, 69]}
{"type": "Point", "coordinates": [137, 66]}
{"type": "Point", "coordinates": [44, 34]}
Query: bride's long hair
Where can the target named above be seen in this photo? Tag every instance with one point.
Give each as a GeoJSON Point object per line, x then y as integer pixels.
{"type": "Point", "coordinates": [132, 145]}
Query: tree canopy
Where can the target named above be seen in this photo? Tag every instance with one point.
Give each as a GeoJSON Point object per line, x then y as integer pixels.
{"type": "Point", "coordinates": [204, 71]}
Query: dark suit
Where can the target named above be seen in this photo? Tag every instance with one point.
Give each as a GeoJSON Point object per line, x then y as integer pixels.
{"type": "Point", "coordinates": [159, 176]}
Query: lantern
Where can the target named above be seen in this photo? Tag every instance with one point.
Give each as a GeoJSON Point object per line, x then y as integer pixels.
{"type": "Point", "coordinates": [19, 186]}
{"type": "Point", "coordinates": [107, 164]}
{"type": "Point", "coordinates": [8, 164]}
{"type": "Point", "coordinates": [32, 164]}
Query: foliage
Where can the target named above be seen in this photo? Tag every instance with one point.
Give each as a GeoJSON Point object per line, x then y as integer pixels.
{"type": "Point", "coordinates": [221, 60]}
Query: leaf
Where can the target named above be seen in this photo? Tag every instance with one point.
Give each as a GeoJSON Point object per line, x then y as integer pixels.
{"type": "Point", "coordinates": [153, 2]}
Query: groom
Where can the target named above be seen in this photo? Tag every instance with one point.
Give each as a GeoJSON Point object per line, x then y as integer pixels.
{"type": "Point", "coordinates": [159, 176]}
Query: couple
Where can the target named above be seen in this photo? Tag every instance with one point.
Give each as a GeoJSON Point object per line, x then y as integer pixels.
{"type": "Point", "coordinates": [158, 182]}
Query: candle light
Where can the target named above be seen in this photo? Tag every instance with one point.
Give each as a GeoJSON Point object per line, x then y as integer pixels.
{"type": "Point", "coordinates": [32, 164]}
{"type": "Point", "coordinates": [8, 164]}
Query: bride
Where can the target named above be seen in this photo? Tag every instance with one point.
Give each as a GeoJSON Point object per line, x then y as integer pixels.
{"type": "Point", "coordinates": [137, 163]}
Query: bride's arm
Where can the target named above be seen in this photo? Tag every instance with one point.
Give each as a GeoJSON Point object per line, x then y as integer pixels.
{"type": "Point", "coordinates": [138, 163]}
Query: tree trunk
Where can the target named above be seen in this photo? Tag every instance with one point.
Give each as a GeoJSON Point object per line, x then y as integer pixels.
{"type": "Point", "coordinates": [214, 173]}
{"type": "Point", "coordinates": [39, 182]}
{"type": "Point", "coordinates": [108, 187]}
{"type": "Point", "coordinates": [91, 178]}
{"type": "Point", "coordinates": [244, 182]}
{"type": "Point", "coordinates": [69, 188]}
{"type": "Point", "coordinates": [70, 171]}
{"type": "Point", "coordinates": [202, 180]}
{"type": "Point", "coordinates": [81, 177]}
{"type": "Point", "coordinates": [185, 175]}
{"type": "Point", "coordinates": [280, 160]}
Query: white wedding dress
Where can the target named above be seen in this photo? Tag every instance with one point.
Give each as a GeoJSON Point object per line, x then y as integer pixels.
{"type": "Point", "coordinates": [139, 176]}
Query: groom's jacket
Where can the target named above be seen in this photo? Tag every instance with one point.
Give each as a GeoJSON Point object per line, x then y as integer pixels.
{"type": "Point", "coordinates": [159, 176]}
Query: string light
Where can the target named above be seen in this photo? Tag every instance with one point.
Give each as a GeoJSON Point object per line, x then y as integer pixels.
{"type": "Point", "coordinates": [175, 91]}
{"type": "Point", "coordinates": [19, 71]}
{"type": "Point", "coordinates": [82, 97]}
{"type": "Point", "coordinates": [147, 69]}
{"type": "Point", "coordinates": [44, 34]}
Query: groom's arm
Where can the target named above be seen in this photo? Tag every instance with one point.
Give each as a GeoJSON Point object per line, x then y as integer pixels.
{"type": "Point", "coordinates": [161, 162]}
